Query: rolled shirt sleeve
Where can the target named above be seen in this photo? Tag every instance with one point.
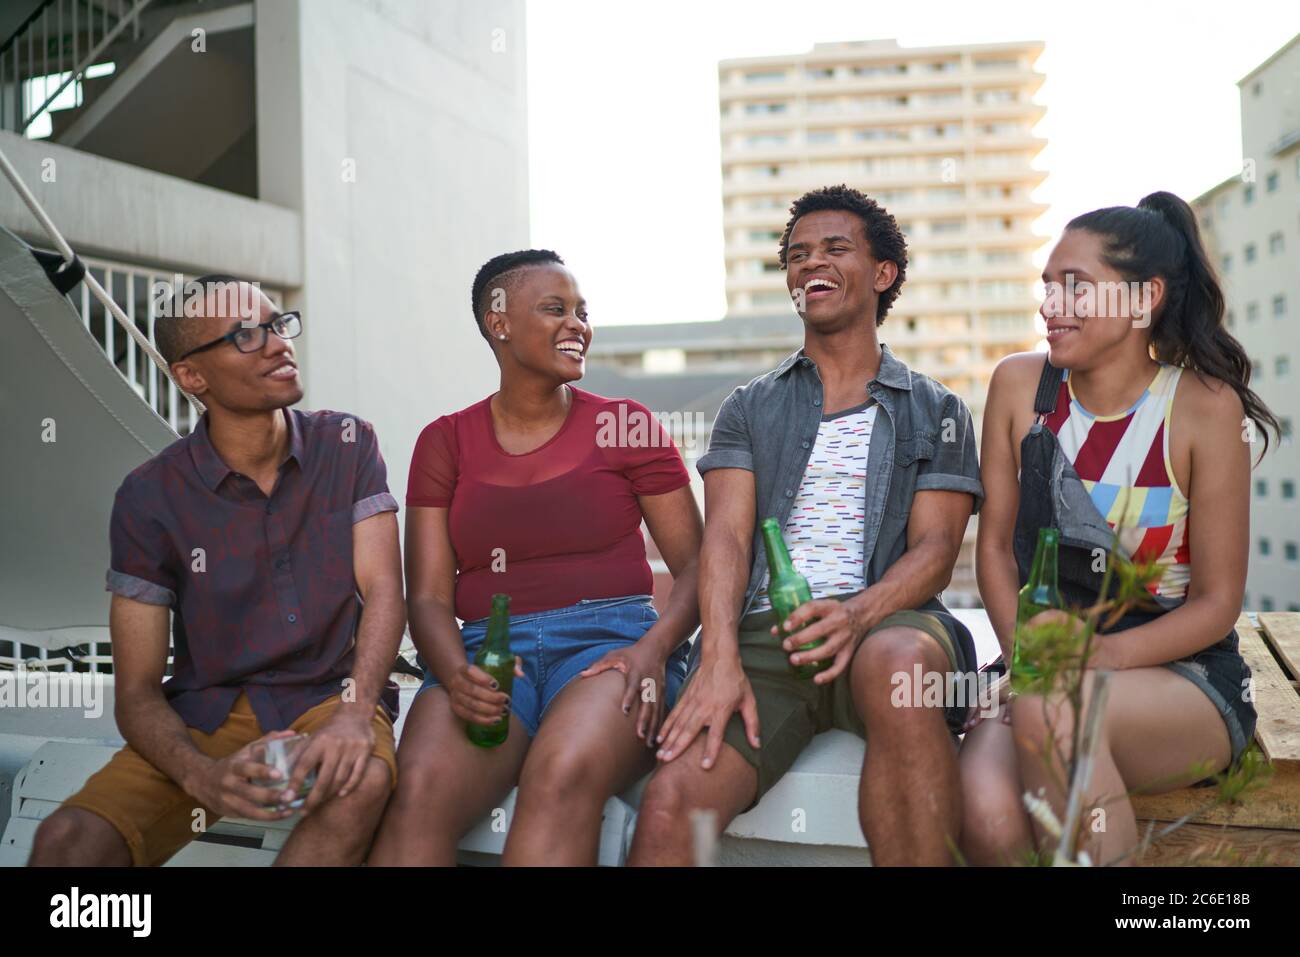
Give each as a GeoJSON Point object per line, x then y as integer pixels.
{"type": "Point", "coordinates": [954, 467]}
{"type": "Point", "coordinates": [142, 563]}
{"type": "Point", "coordinates": [653, 466]}
{"type": "Point", "coordinates": [729, 442]}
{"type": "Point", "coordinates": [371, 494]}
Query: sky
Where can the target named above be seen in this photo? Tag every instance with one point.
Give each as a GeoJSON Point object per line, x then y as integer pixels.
{"type": "Point", "coordinates": [624, 161]}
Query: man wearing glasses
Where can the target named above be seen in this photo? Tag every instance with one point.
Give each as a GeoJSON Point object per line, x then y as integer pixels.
{"type": "Point", "coordinates": [268, 537]}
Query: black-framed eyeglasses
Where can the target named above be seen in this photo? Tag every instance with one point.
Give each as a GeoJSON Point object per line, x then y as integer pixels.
{"type": "Point", "coordinates": [286, 325]}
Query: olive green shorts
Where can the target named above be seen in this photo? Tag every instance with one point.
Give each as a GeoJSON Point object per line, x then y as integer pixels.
{"type": "Point", "coordinates": [792, 710]}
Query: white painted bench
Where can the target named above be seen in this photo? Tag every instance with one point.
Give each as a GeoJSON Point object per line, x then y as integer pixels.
{"type": "Point", "coordinates": [809, 817]}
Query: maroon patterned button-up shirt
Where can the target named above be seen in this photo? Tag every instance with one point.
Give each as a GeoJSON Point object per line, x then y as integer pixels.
{"type": "Point", "coordinates": [263, 596]}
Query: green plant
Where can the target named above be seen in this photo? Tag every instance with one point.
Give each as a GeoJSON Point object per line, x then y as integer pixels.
{"type": "Point", "coordinates": [1059, 650]}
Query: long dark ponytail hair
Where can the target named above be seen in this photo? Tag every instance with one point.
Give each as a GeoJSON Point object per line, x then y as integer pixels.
{"type": "Point", "coordinates": [1160, 237]}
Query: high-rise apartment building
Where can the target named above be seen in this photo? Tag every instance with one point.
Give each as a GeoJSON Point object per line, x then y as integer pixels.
{"type": "Point", "coordinates": [943, 138]}
{"type": "Point", "coordinates": [1251, 222]}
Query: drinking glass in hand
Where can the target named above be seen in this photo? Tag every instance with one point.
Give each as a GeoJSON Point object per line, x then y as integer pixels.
{"type": "Point", "coordinates": [282, 754]}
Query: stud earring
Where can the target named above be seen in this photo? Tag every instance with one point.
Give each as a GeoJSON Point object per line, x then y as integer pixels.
{"type": "Point", "coordinates": [502, 338]}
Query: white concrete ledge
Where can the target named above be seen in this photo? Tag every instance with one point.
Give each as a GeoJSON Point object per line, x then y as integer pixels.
{"type": "Point", "coordinates": [123, 212]}
{"type": "Point", "coordinates": [809, 817]}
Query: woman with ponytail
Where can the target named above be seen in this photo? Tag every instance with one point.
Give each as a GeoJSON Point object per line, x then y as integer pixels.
{"type": "Point", "coordinates": [1139, 417]}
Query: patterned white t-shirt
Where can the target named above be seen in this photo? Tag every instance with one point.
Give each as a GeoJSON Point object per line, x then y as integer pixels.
{"type": "Point", "coordinates": [824, 530]}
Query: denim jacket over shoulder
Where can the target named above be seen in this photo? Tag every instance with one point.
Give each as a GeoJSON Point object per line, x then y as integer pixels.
{"type": "Point", "coordinates": [923, 438]}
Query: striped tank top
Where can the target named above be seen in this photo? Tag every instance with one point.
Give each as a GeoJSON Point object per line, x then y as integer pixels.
{"type": "Point", "coordinates": [1123, 461]}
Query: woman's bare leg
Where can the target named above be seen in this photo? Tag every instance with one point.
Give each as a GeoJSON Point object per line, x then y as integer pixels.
{"type": "Point", "coordinates": [445, 784]}
{"type": "Point", "coordinates": [585, 751]}
{"type": "Point", "coordinates": [995, 828]}
{"type": "Point", "coordinates": [1157, 728]}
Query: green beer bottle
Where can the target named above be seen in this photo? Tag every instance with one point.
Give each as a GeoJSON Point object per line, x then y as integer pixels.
{"type": "Point", "coordinates": [1039, 594]}
{"type": "Point", "coordinates": [496, 658]}
{"type": "Point", "coordinates": [787, 590]}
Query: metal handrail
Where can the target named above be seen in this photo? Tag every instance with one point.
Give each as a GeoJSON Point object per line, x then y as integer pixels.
{"type": "Point", "coordinates": [70, 257]}
{"type": "Point", "coordinates": [38, 24]}
{"type": "Point", "coordinates": [22, 27]}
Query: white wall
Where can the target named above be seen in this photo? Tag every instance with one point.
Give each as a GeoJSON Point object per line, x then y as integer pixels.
{"type": "Point", "coordinates": [428, 100]}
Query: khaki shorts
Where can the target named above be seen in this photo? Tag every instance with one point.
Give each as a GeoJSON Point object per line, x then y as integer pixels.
{"type": "Point", "coordinates": [155, 816]}
{"type": "Point", "coordinates": [792, 710]}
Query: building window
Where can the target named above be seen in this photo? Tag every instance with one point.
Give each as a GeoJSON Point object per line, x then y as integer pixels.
{"type": "Point", "coordinates": [1227, 262]}
{"type": "Point", "coordinates": [822, 136]}
{"type": "Point", "coordinates": [1232, 319]}
{"type": "Point", "coordinates": [1291, 551]}
{"type": "Point", "coordinates": [1252, 311]}
{"type": "Point", "coordinates": [1261, 488]}
{"type": "Point", "coordinates": [1282, 366]}
{"type": "Point", "coordinates": [765, 76]}
{"type": "Point", "coordinates": [880, 70]}
{"type": "Point", "coordinates": [1279, 306]}
{"type": "Point", "coordinates": [1284, 426]}
{"type": "Point", "coordinates": [875, 133]}
{"type": "Point", "coordinates": [984, 97]}
{"type": "Point", "coordinates": [1257, 88]}
{"type": "Point", "coordinates": [1256, 370]}
{"type": "Point", "coordinates": [996, 64]}
{"type": "Point", "coordinates": [1248, 195]}
{"type": "Point", "coordinates": [1250, 252]}
{"type": "Point", "coordinates": [1265, 603]}
{"type": "Point", "coordinates": [1270, 183]}
{"type": "Point", "coordinates": [1288, 489]}
{"type": "Point", "coordinates": [1265, 547]}
{"type": "Point", "coordinates": [1276, 243]}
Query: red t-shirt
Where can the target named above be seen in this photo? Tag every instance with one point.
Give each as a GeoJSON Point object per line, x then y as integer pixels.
{"type": "Point", "coordinates": [555, 525]}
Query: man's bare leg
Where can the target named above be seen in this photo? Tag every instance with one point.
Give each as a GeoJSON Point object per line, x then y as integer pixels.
{"type": "Point", "coordinates": [338, 833]}
{"type": "Point", "coordinates": [909, 799]}
{"type": "Point", "coordinates": [663, 825]}
{"type": "Point", "coordinates": [75, 837]}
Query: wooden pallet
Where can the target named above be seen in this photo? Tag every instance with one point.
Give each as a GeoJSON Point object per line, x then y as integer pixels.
{"type": "Point", "coordinates": [1264, 828]}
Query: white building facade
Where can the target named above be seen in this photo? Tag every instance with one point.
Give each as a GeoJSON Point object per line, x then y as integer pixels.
{"type": "Point", "coordinates": [1251, 223]}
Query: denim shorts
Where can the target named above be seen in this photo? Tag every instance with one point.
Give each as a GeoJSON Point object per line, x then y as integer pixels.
{"type": "Point", "coordinates": [556, 646]}
{"type": "Point", "coordinates": [1223, 675]}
